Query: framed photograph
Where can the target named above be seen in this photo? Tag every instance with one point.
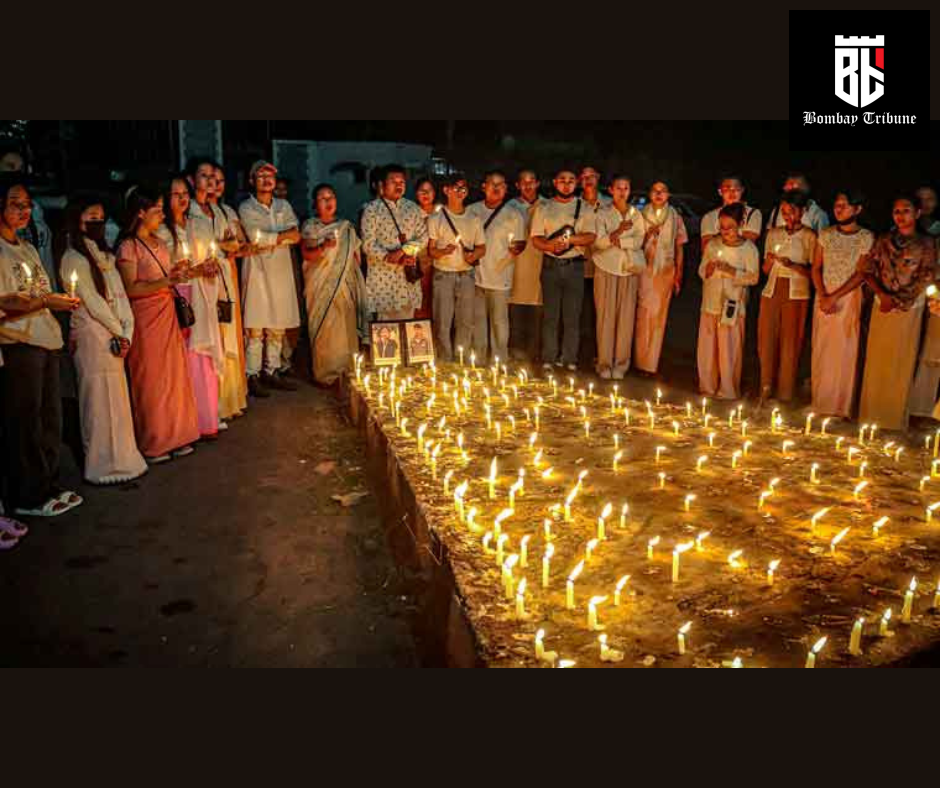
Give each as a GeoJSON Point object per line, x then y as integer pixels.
{"type": "Point", "coordinates": [419, 341]}
{"type": "Point", "coordinates": [387, 344]}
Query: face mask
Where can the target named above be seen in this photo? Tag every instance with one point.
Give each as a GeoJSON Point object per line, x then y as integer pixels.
{"type": "Point", "coordinates": [95, 231]}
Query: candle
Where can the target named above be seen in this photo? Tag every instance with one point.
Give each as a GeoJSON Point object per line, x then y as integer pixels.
{"type": "Point", "coordinates": [931, 510]}
{"type": "Point", "coordinates": [872, 431]}
{"type": "Point", "coordinates": [73, 283]}
{"type": "Point", "coordinates": [492, 479]}
{"type": "Point", "coordinates": [763, 499]}
{"type": "Point", "coordinates": [778, 424]}
{"type": "Point", "coordinates": [621, 584]}
{"type": "Point", "coordinates": [734, 560]}
{"type": "Point", "coordinates": [540, 645]}
{"type": "Point", "coordinates": [818, 516]}
{"type": "Point", "coordinates": [662, 481]}
{"type": "Point", "coordinates": [876, 528]}
{"type": "Point", "coordinates": [708, 418]}
{"type": "Point", "coordinates": [566, 664]}
{"type": "Point", "coordinates": [602, 522]}
{"type": "Point", "coordinates": [500, 519]}
{"type": "Point", "coordinates": [839, 442]}
{"type": "Point", "coordinates": [473, 360]}
{"type": "Point", "coordinates": [524, 552]}
{"type": "Point", "coordinates": [676, 557]}
{"type": "Point", "coordinates": [595, 603]}
{"type": "Point", "coordinates": [520, 599]}
{"type": "Point", "coordinates": [855, 641]}
{"type": "Point", "coordinates": [487, 538]}
{"type": "Point", "coordinates": [421, 431]}
{"type": "Point", "coordinates": [568, 501]}
{"type": "Point", "coordinates": [837, 539]}
{"type": "Point", "coordinates": [747, 447]}
{"type": "Point", "coordinates": [825, 425]}
{"type": "Point", "coordinates": [701, 463]}
{"type": "Point", "coordinates": [683, 633]}
{"type": "Point", "coordinates": [771, 571]}
{"type": "Point", "coordinates": [935, 469]}
{"type": "Point", "coordinates": [704, 406]}
{"type": "Point", "coordinates": [689, 500]}
{"type": "Point", "coordinates": [731, 419]}
{"type": "Point", "coordinates": [651, 546]}
{"type": "Point", "coordinates": [623, 515]}
{"type": "Point", "coordinates": [883, 630]}
{"type": "Point", "coordinates": [923, 483]}
{"type": "Point", "coordinates": [936, 599]}
{"type": "Point", "coordinates": [809, 423]}
{"type": "Point", "coordinates": [675, 428]}
{"type": "Point", "coordinates": [688, 409]}
{"type": "Point", "coordinates": [652, 420]}
{"type": "Point", "coordinates": [854, 450]}
{"type": "Point", "coordinates": [547, 565]}
{"type": "Point", "coordinates": [508, 580]}
{"type": "Point", "coordinates": [472, 518]}
{"type": "Point", "coordinates": [861, 433]}
{"type": "Point", "coordinates": [787, 445]}
{"type": "Point", "coordinates": [859, 489]}
{"type": "Point", "coordinates": [537, 415]}
{"type": "Point", "coordinates": [744, 426]}
{"type": "Point", "coordinates": [700, 541]}
{"type": "Point", "coordinates": [909, 602]}
{"type": "Point", "coordinates": [513, 491]}
{"type": "Point", "coordinates": [616, 440]}
{"type": "Point", "coordinates": [570, 586]}
{"type": "Point", "coordinates": [587, 429]}
{"type": "Point", "coordinates": [659, 397]}
{"type": "Point", "coordinates": [817, 650]}
{"type": "Point", "coordinates": [773, 419]}
{"type": "Point", "coordinates": [589, 550]}
{"type": "Point", "coordinates": [501, 543]}
{"type": "Point", "coordinates": [898, 453]}
{"type": "Point", "coordinates": [735, 459]}
{"type": "Point", "coordinates": [861, 470]}
{"type": "Point", "coordinates": [404, 427]}
{"type": "Point", "coordinates": [659, 454]}
{"type": "Point", "coordinates": [499, 432]}
{"type": "Point", "coordinates": [711, 440]}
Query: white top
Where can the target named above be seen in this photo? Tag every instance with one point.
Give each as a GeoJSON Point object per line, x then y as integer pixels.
{"type": "Point", "coordinates": [552, 215]}
{"type": "Point", "coordinates": [113, 310]}
{"type": "Point", "coordinates": [721, 286]}
{"type": "Point", "coordinates": [841, 253]}
{"type": "Point", "coordinates": [814, 217]}
{"type": "Point", "coordinates": [799, 247]}
{"type": "Point", "coordinates": [268, 289]}
{"type": "Point", "coordinates": [626, 258]}
{"type": "Point", "coordinates": [469, 228]}
{"type": "Point", "coordinates": [39, 329]}
{"type": "Point", "coordinates": [753, 221]}
{"type": "Point", "coordinates": [496, 269]}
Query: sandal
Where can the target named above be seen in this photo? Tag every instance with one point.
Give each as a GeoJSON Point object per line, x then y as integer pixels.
{"type": "Point", "coordinates": [51, 508]}
{"type": "Point", "coordinates": [184, 452]}
{"type": "Point", "coordinates": [12, 528]}
{"type": "Point", "coordinates": [159, 460]}
{"type": "Point", "coordinates": [7, 542]}
{"type": "Point", "coordinates": [71, 499]}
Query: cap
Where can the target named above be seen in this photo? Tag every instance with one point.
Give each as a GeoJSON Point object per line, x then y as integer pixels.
{"type": "Point", "coordinates": [261, 165]}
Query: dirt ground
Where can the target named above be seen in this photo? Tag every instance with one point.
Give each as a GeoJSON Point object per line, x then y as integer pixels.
{"type": "Point", "coordinates": [236, 556]}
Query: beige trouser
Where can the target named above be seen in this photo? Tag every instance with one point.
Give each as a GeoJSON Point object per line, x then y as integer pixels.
{"type": "Point", "coordinates": [720, 356]}
{"type": "Point", "coordinates": [615, 301]}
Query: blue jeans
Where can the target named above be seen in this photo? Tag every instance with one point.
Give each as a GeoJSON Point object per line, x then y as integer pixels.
{"type": "Point", "coordinates": [563, 296]}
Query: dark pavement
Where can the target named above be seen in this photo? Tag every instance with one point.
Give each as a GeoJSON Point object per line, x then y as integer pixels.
{"type": "Point", "coordinates": [236, 556]}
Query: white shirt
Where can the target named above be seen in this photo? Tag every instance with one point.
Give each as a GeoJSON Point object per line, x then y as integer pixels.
{"type": "Point", "coordinates": [722, 287]}
{"type": "Point", "coordinates": [39, 329]}
{"type": "Point", "coordinates": [841, 253]}
{"type": "Point", "coordinates": [814, 217]}
{"type": "Point", "coordinates": [753, 222]}
{"type": "Point", "coordinates": [113, 310]}
{"type": "Point", "coordinates": [469, 228]}
{"type": "Point", "coordinates": [799, 247]}
{"type": "Point", "coordinates": [626, 258]}
{"type": "Point", "coordinates": [497, 267]}
{"type": "Point", "coordinates": [553, 215]}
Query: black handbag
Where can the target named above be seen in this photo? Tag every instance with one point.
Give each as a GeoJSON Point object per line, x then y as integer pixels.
{"type": "Point", "coordinates": [227, 307]}
{"type": "Point", "coordinates": [185, 315]}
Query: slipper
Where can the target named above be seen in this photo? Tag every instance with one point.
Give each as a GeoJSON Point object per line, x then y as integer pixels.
{"type": "Point", "coordinates": [159, 460]}
{"type": "Point", "coordinates": [8, 542]}
{"type": "Point", "coordinates": [184, 452]}
{"type": "Point", "coordinates": [70, 499]}
{"type": "Point", "coordinates": [13, 528]}
{"type": "Point", "coordinates": [51, 508]}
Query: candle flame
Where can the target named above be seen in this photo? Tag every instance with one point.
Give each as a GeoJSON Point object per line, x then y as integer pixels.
{"type": "Point", "coordinates": [913, 586]}
{"type": "Point", "coordinates": [547, 474]}
{"type": "Point", "coordinates": [887, 616]}
{"type": "Point", "coordinates": [504, 515]}
{"type": "Point", "coordinates": [654, 541]}
{"type": "Point", "coordinates": [622, 583]}
{"type": "Point", "coordinates": [820, 645]}
{"type": "Point", "coordinates": [608, 510]}
{"type": "Point", "coordinates": [839, 537]}
{"type": "Point", "coordinates": [597, 601]}
{"type": "Point", "coordinates": [774, 565]}
{"type": "Point", "coordinates": [733, 558]}
{"type": "Point", "coordinates": [520, 591]}
{"type": "Point", "coordinates": [549, 552]}
{"type": "Point", "coordinates": [576, 573]}
{"type": "Point", "coordinates": [686, 629]}
{"type": "Point", "coordinates": [684, 548]}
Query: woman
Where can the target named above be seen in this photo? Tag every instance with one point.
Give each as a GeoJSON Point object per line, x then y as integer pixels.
{"type": "Point", "coordinates": [101, 333]}
{"type": "Point", "coordinates": [837, 318]}
{"type": "Point", "coordinates": [164, 406]}
{"type": "Point", "coordinates": [664, 247]}
{"type": "Point", "coordinates": [785, 304]}
{"type": "Point", "coordinates": [30, 401]}
{"type": "Point", "coordinates": [233, 390]}
{"type": "Point", "coordinates": [899, 268]}
{"type": "Point", "coordinates": [730, 265]}
{"type": "Point", "coordinates": [192, 242]}
{"type": "Point", "coordinates": [425, 194]}
{"type": "Point", "coordinates": [333, 287]}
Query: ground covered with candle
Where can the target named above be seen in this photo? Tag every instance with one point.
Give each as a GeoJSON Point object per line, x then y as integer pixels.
{"type": "Point", "coordinates": [582, 526]}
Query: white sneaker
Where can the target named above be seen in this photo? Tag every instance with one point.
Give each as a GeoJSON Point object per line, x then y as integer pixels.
{"type": "Point", "coordinates": [222, 426]}
{"type": "Point", "coordinates": [605, 374]}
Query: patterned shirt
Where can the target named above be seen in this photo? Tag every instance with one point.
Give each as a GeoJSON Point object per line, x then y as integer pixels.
{"type": "Point", "coordinates": [841, 253]}
{"type": "Point", "coordinates": [903, 266]}
{"type": "Point", "coordinates": [387, 288]}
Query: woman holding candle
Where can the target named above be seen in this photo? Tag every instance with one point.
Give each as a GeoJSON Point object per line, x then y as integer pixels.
{"type": "Point", "coordinates": [899, 268]}
{"type": "Point", "coordinates": [664, 247]}
{"type": "Point", "coordinates": [333, 287]}
{"type": "Point", "coordinates": [426, 195]}
{"type": "Point", "coordinates": [730, 265]}
{"type": "Point", "coordinates": [785, 302]}
{"type": "Point", "coordinates": [838, 314]}
{"type": "Point", "coordinates": [30, 338]}
{"type": "Point", "coordinates": [191, 241]}
{"type": "Point", "coordinates": [101, 333]}
{"type": "Point", "coordinates": [164, 405]}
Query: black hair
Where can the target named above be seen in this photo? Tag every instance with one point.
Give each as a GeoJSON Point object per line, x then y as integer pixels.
{"type": "Point", "coordinates": [170, 220]}
{"type": "Point", "coordinates": [391, 169]}
{"type": "Point", "coordinates": [138, 198]}
{"type": "Point", "coordinates": [423, 180]}
{"type": "Point", "coordinates": [453, 179]}
{"type": "Point", "coordinates": [319, 188]}
{"type": "Point", "coordinates": [523, 171]}
{"type": "Point", "coordinates": [193, 165]}
{"type": "Point", "coordinates": [796, 198]}
{"type": "Point", "coordinates": [731, 176]}
{"type": "Point", "coordinates": [8, 182]}
{"type": "Point", "coordinates": [620, 177]}
{"type": "Point", "coordinates": [854, 196]}
{"type": "Point", "coordinates": [566, 167]}
{"type": "Point", "coordinates": [490, 173]}
{"type": "Point", "coordinates": [735, 211]}
{"type": "Point", "coordinates": [74, 239]}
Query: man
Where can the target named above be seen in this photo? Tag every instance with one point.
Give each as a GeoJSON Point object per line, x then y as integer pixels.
{"type": "Point", "coordinates": [282, 189]}
{"type": "Point", "coordinates": [457, 244]}
{"type": "Point", "coordinates": [562, 228]}
{"type": "Point", "coordinates": [814, 217]}
{"type": "Point", "coordinates": [37, 232]}
{"type": "Point", "coordinates": [590, 180]}
{"type": "Point", "coordinates": [731, 191]}
{"type": "Point", "coordinates": [525, 310]}
{"type": "Point", "coordinates": [387, 347]}
{"type": "Point", "coordinates": [391, 223]}
{"type": "Point", "coordinates": [504, 229]}
{"type": "Point", "coordinates": [618, 256]}
{"type": "Point", "coordinates": [419, 342]}
{"type": "Point", "coordinates": [927, 199]}
{"type": "Point", "coordinates": [270, 295]}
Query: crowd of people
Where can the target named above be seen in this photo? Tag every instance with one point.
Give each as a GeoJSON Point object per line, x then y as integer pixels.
{"type": "Point", "coordinates": [190, 308]}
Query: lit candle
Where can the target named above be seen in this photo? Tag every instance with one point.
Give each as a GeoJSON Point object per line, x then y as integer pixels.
{"type": "Point", "coordinates": [839, 442]}
{"type": "Point", "coordinates": [623, 515]}
{"type": "Point", "coordinates": [818, 516]}
{"type": "Point", "coordinates": [898, 453]}
{"type": "Point", "coordinates": [602, 522]}
{"type": "Point", "coordinates": [734, 560]}
{"type": "Point", "coordinates": [817, 650]}
{"type": "Point", "coordinates": [513, 491]}
{"type": "Point", "coordinates": [908, 608]}
{"type": "Point", "coordinates": [689, 500]}
{"type": "Point", "coordinates": [735, 459]}
{"type": "Point", "coordinates": [773, 419]}
{"type": "Point", "coordinates": [460, 351]}
{"type": "Point", "coordinates": [508, 581]}
{"type": "Point", "coordinates": [675, 428]}
{"type": "Point", "coordinates": [861, 470]}
{"type": "Point", "coordinates": [838, 539]}
{"type": "Point", "coordinates": [587, 429]}
{"type": "Point", "coordinates": [621, 584]}
{"type": "Point", "coordinates": [936, 599]}
{"type": "Point", "coordinates": [616, 440]}
{"type": "Point", "coordinates": [787, 445]}
{"type": "Point", "coordinates": [731, 419]}
{"type": "Point", "coordinates": [809, 423]}
{"type": "Point", "coordinates": [688, 409]}
{"type": "Point", "coordinates": [935, 469]}
{"type": "Point", "coordinates": [747, 447]}
{"type": "Point", "coordinates": [700, 541]}
{"type": "Point", "coordinates": [763, 499]}
{"type": "Point", "coordinates": [472, 518]}
{"type": "Point", "coordinates": [855, 641]}
{"type": "Point", "coordinates": [659, 454]}
{"type": "Point", "coordinates": [568, 501]}
{"type": "Point", "coordinates": [923, 483]}
{"type": "Point", "coordinates": [814, 473]}
{"type": "Point", "coordinates": [861, 433]}
{"type": "Point", "coordinates": [825, 425]}
{"type": "Point", "coordinates": [659, 397]}
{"type": "Point", "coordinates": [662, 481]}
{"type": "Point", "coordinates": [872, 432]}
{"type": "Point", "coordinates": [492, 479]}
{"type": "Point", "coordinates": [651, 547]}
{"type": "Point", "coordinates": [73, 283]}
{"type": "Point", "coordinates": [547, 565]}
{"type": "Point", "coordinates": [744, 426]}
{"type": "Point", "coordinates": [701, 463]}
{"type": "Point", "coordinates": [499, 432]}
{"type": "Point", "coordinates": [771, 571]}
{"type": "Point", "coordinates": [500, 519]}
{"type": "Point", "coordinates": [876, 528]}
{"type": "Point", "coordinates": [931, 510]}
{"type": "Point", "coordinates": [859, 489]}
{"type": "Point", "coordinates": [711, 440]}
{"type": "Point", "coordinates": [683, 633]}
{"type": "Point", "coordinates": [676, 557]}
{"type": "Point", "coordinates": [853, 451]}
{"type": "Point", "coordinates": [520, 599]}
{"type": "Point", "coordinates": [570, 586]}
{"type": "Point", "coordinates": [883, 630]}
{"type": "Point", "coordinates": [704, 406]}
{"type": "Point", "coordinates": [595, 603]}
